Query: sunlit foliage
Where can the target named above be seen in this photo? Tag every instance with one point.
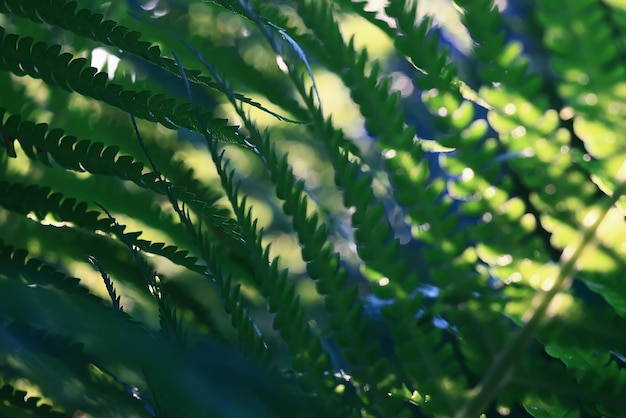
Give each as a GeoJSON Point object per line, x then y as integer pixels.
{"type": "Point", "coordinates": [312, 208]}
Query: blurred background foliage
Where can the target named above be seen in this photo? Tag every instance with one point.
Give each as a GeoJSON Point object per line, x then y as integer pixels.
{"type": "Point", "coordinates": [87, 360]}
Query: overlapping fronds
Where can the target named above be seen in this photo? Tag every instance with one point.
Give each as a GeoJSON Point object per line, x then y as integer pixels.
{"type": "Point", "coordinates": [441, 235]}
{"type": "Point", "coordinates": [24, 56]}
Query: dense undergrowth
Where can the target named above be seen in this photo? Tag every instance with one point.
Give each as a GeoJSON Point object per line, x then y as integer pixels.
{"type": "Point", "coordinates": [307, 208]}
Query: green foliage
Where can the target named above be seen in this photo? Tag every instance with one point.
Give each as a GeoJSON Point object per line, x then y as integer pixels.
{"type": "Point", "coordinates": [312, 208]}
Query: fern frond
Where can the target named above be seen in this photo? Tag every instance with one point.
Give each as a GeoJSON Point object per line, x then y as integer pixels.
{"type": "Point", "coordinates": [63, 14]}
{"type": "Point", "coordinates": [22, 56]}
{"type": "Point", "coordinates": [29, 198]}
{"type": "Point", "coordinates": [324, 265]}
{"type": "Point", "coordinates": [248, 331]}
{"type": "Point", "coordinates": [345, 310]}
{"type": "Point", "coordinates": [14, 400]}
{"type": "Point", "coordinates": [308, 357]}
{"type": "Point", "coordinates": [372, 239]}
{"type": "Point", "coordinates": [569, 259]}
{"type": "Point", "coordinates": [96, 158]}
{"type": "Point", "coordinates": [403, 156]}
{"type": "Point", "coordinates": [16, 263]}
{"type": "Point", "coordinates": [591, 89]}
{"type": "Point", "coordinates": [170, 326]}
{"type": "Point", "coordinates": [379, 108]}
{"type": "Point", "coordinates": [416, 41]}
{"type": "Point", "coordinates": [115, 300]}
{"type": "Point", "coordinates": [598, 123]}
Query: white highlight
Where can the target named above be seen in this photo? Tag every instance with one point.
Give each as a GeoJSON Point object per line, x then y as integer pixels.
{"type": "Point", "coordinates": [100, 57]}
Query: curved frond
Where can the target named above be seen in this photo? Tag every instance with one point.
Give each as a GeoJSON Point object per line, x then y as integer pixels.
{"type": "Point", "coordinates": [83, 22]}
{"type": "Point", "coordinates": [24, 56]}
{"type": "Point", "coordinates": [38, 141]}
